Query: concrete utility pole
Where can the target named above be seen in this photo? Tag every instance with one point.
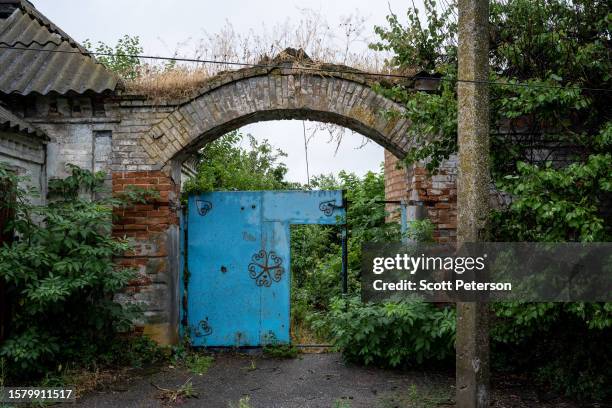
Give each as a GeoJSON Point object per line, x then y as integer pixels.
{"type": "Point", "coordinates": [472, 360]}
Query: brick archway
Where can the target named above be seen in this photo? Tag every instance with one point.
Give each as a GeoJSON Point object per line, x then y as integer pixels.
{"type": "Point", "coordinates": [288, 91]}
{"type": "Point", "coordinates": [154, 138]}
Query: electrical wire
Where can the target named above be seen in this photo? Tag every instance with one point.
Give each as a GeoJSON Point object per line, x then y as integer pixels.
{"type": "Point", "coordinates": [306, 154]}
{"type": "Point", "coordinates": [305, 68]}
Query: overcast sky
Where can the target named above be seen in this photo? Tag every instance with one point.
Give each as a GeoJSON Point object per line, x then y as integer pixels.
{"type": "Point", "coordinates": [163, 24]}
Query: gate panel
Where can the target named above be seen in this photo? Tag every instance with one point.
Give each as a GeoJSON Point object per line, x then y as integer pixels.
{"type": "Point", "coordinates": [223, 232]}
{"type": "Point", "coordinates": [274, 315]}
{"type": "Point", "coordinates": [303, 207]}
{"type": "Point", "coordinates": [238, 250]}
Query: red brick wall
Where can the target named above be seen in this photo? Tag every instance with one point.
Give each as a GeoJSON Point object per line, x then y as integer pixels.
{"type": "Point", "coordinates": [142, 220]}
{"type": "Point", "coordinates": [147, 227]}
{"type": "Point", "coordinates": [396, 187]}
{"type": "Point", "coordinates": [438, 192]}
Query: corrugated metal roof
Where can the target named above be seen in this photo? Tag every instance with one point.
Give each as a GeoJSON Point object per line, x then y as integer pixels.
{"type": "Point", "coordinates": [11, 122]}
{"type": "Point", "coordinates": [47, 59]}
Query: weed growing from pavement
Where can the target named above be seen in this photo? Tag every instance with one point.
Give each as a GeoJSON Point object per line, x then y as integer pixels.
{"type": "Point", "coordinates": [342, 403]}
{"type": "Point", "coordinates": [419, 397]}
{"type": "Point", "coordinates": [198, 363]}
{"type": "Point", "coordinates": [178, 395]}
{"type": "Point", "coordinates": [251, 367]}
{"type": "Point", "coordinates": [244, 402]}
{"type": "Point", "coordinates": [280, 351]}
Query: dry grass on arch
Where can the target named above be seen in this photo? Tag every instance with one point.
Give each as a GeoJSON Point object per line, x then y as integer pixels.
{"type": "Point", "coordinates": [346, 44]}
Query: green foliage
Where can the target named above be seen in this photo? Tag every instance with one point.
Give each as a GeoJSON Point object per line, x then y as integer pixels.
{"type": "Point", "coordinates": [428, 397]}
{"type": "Point", "coordinates": [78, 182]}
{"type": "Point", "coordinates": [389, 334]}
{"type": "Point", "coordinates": [280, 350]}
{"type": "Point", "coordinates": [316, 253]}
{"type": "Point", "coordinates": [542, 53]}
{"type": "Point", "coordinates": [195, 361]}
{"type": "Point", "coordinates": [275, 349]}
{"type": "Point", "coordinates": [556, 205]}
{"type": "Point", "coordinates": [138, 195]}
{"type": "Point", "coordinates": [548, 48]}
{"type": "Point", "coordinates": [244, 402]}
{"type": "Point", "coordinates": [224, 165]}
{"type": "Point", "coordinates": [198, 363]}
{"type": "Point", "coordinates": [122, 58]}
{"type": "Point", "coordinates": [342, 403]}
{"type": "Point", "coordinates": [131, 351]}
{"type": "Point", "coordinates": [366, 217]}
{"type": "Point", "coordinates": [186, 390]}
{"type": "Point", "coordinates": [421, 230]}
{"type": "Point", "coordinates": [392, 333]}
{"type": "Point", "coordinates": [414, 46]}
{"type": "Point", "coordinates": [428, 49]}
{"type": "Point", "coordinates": [423, 396]}
{"type": "Point", "coordinates": [565, 345]}
{"type": "Point", "coordinates": [434, 117]}
{"type": "Point", "coordinates": [179, 395]}
{"type": "Point", "coordinates": [60, 277]}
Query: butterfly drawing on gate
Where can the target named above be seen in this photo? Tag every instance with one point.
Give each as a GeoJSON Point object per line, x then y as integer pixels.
{"type": "Point", "coordinates": [266, 267]}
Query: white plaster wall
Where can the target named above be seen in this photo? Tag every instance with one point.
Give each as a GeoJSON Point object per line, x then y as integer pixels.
{"type": "Point", "coordinates": [26, 155]}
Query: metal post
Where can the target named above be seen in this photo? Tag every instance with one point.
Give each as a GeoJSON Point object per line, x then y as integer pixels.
{"type": "Point", "coordinates": [404, 221]}
{"type": "Point", "coordinates": [472, 358]}
{"type": "Point", "coordinates": [345, 247]}
{"type": "Point", "coordinates": [418, 213]}
{"type": "Point", "coordinates": [344, 261]}
{"type": "Point", "coordinates": [183, 326]}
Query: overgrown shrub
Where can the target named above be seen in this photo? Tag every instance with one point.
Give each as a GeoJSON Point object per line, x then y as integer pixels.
{"type": "Point", "coordinates": [421, 231]}
{"type": "Point", "coordinates": [565, 345]}
{"type": "Point", "coordinates": [224, 165]}
{"type": "Point", "coordinates": [129, 350]}
{"type": "Point", "coordinates": [541, 102]}
{"type": "Point", "coordinates": [557, 205]}
{"type": "Point", "coordinates": [316, 253]}
{"type": "Point", "coordinates": [122, 58]}
{"type": "Point", "coordinates": [60, 277]}
{"type": "Point", "coordinates": [391, 334]}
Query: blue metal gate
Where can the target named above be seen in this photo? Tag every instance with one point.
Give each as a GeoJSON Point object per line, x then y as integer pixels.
{"type": "Point", "coordinates": [236, 274]}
